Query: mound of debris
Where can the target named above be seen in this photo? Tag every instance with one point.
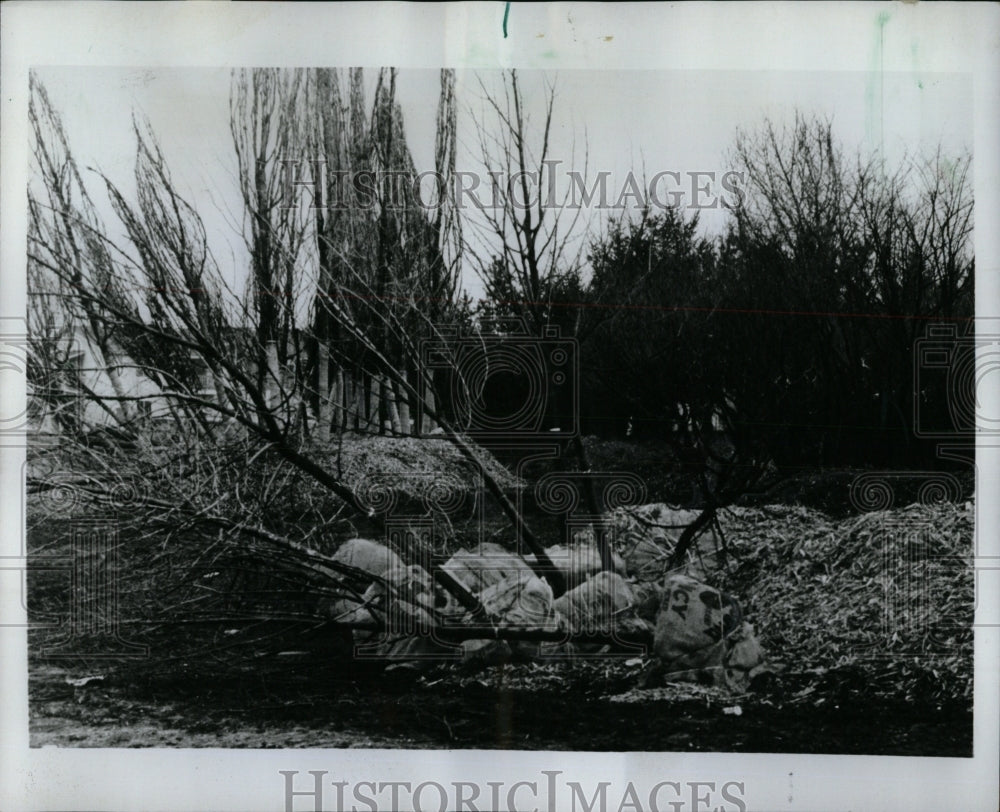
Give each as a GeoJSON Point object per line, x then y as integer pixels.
{"type": "Point", "coordinates": [880, 603]}
{"type": "Point", "coordinates": [889, 594]}
{"type": "Point", "coordinates": [394, 471]}
{"type": "Point", "coordinates": [693, 631]}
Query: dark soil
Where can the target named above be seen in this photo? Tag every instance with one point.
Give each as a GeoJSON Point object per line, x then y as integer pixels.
{"type": "Point", "coordinates": [594, 708]}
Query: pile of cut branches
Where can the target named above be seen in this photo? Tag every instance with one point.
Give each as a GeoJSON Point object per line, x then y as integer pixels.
{"type": "Point", "coordinates": [887, 596]}
{"type": "Point", "coordinates": [220, 555]}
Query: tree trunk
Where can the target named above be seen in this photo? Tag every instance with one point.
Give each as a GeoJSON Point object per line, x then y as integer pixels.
{"type": "Point", "coordinates": [337, 398]}
{"type": "Point", "coordinates": [324, 412]}
{"type": "Point", "coordinates": [124, 408]}
{"type": "Point", "coordinates": [590, 494]}
{"type": "Point", "coordinates": [272, 387]}
{"type": "Point", "coordinates": [389, 393]}
{"type": "Point", "coordinates": [428, 421]}
{"type": "Point", "coordinates": [366, 400]}
{"type": "Point", "coordinates": [402, 398]}
{"type": "Point", "coordinates": [691, 532]}
{"type": "Point", "coordinates": [357, 401]}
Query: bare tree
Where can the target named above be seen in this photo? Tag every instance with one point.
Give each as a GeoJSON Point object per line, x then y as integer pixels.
{"type": "Point", "coordinates": [529, 242]}
{"type": "Point", "coordinates": [64, 227]}
{"type": "Point", "coordinates": [377, 237]}
{"type": "Point", "coordinates": [529, 246]}
{"type": "Point", "coordinates": [864, 253]}
{"type": "Point", "coordinates": [269, 130]}
{"type": "Point", "coordinates": [241, 445]}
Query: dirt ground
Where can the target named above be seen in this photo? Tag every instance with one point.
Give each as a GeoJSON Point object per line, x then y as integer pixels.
{"type": "Point", "coordinates": [583, 707]}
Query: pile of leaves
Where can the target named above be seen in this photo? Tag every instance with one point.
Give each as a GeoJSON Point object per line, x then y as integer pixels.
{"type": "Point", "coordinates": [882, 602]}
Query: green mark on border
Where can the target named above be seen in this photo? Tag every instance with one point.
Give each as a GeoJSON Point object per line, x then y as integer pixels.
{"type": "Point", "coordinates": [506, 14]}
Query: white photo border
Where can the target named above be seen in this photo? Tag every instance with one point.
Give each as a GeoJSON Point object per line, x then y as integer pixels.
{"type": "Point", "coordinates": [951, 38]}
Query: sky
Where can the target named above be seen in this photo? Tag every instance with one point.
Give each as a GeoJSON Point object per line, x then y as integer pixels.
{"type": "Point", "coordinates": [647, 121]}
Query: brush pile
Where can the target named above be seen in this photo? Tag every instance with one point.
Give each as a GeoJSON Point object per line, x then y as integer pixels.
{"type": "Point", "coordinates": [234, 559]}
{"type": "Point", "coordinates": [883, 600]}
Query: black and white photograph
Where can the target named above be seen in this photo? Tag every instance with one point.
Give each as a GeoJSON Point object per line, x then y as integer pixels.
{"type": "Point", "coordinates": [505, 408]}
